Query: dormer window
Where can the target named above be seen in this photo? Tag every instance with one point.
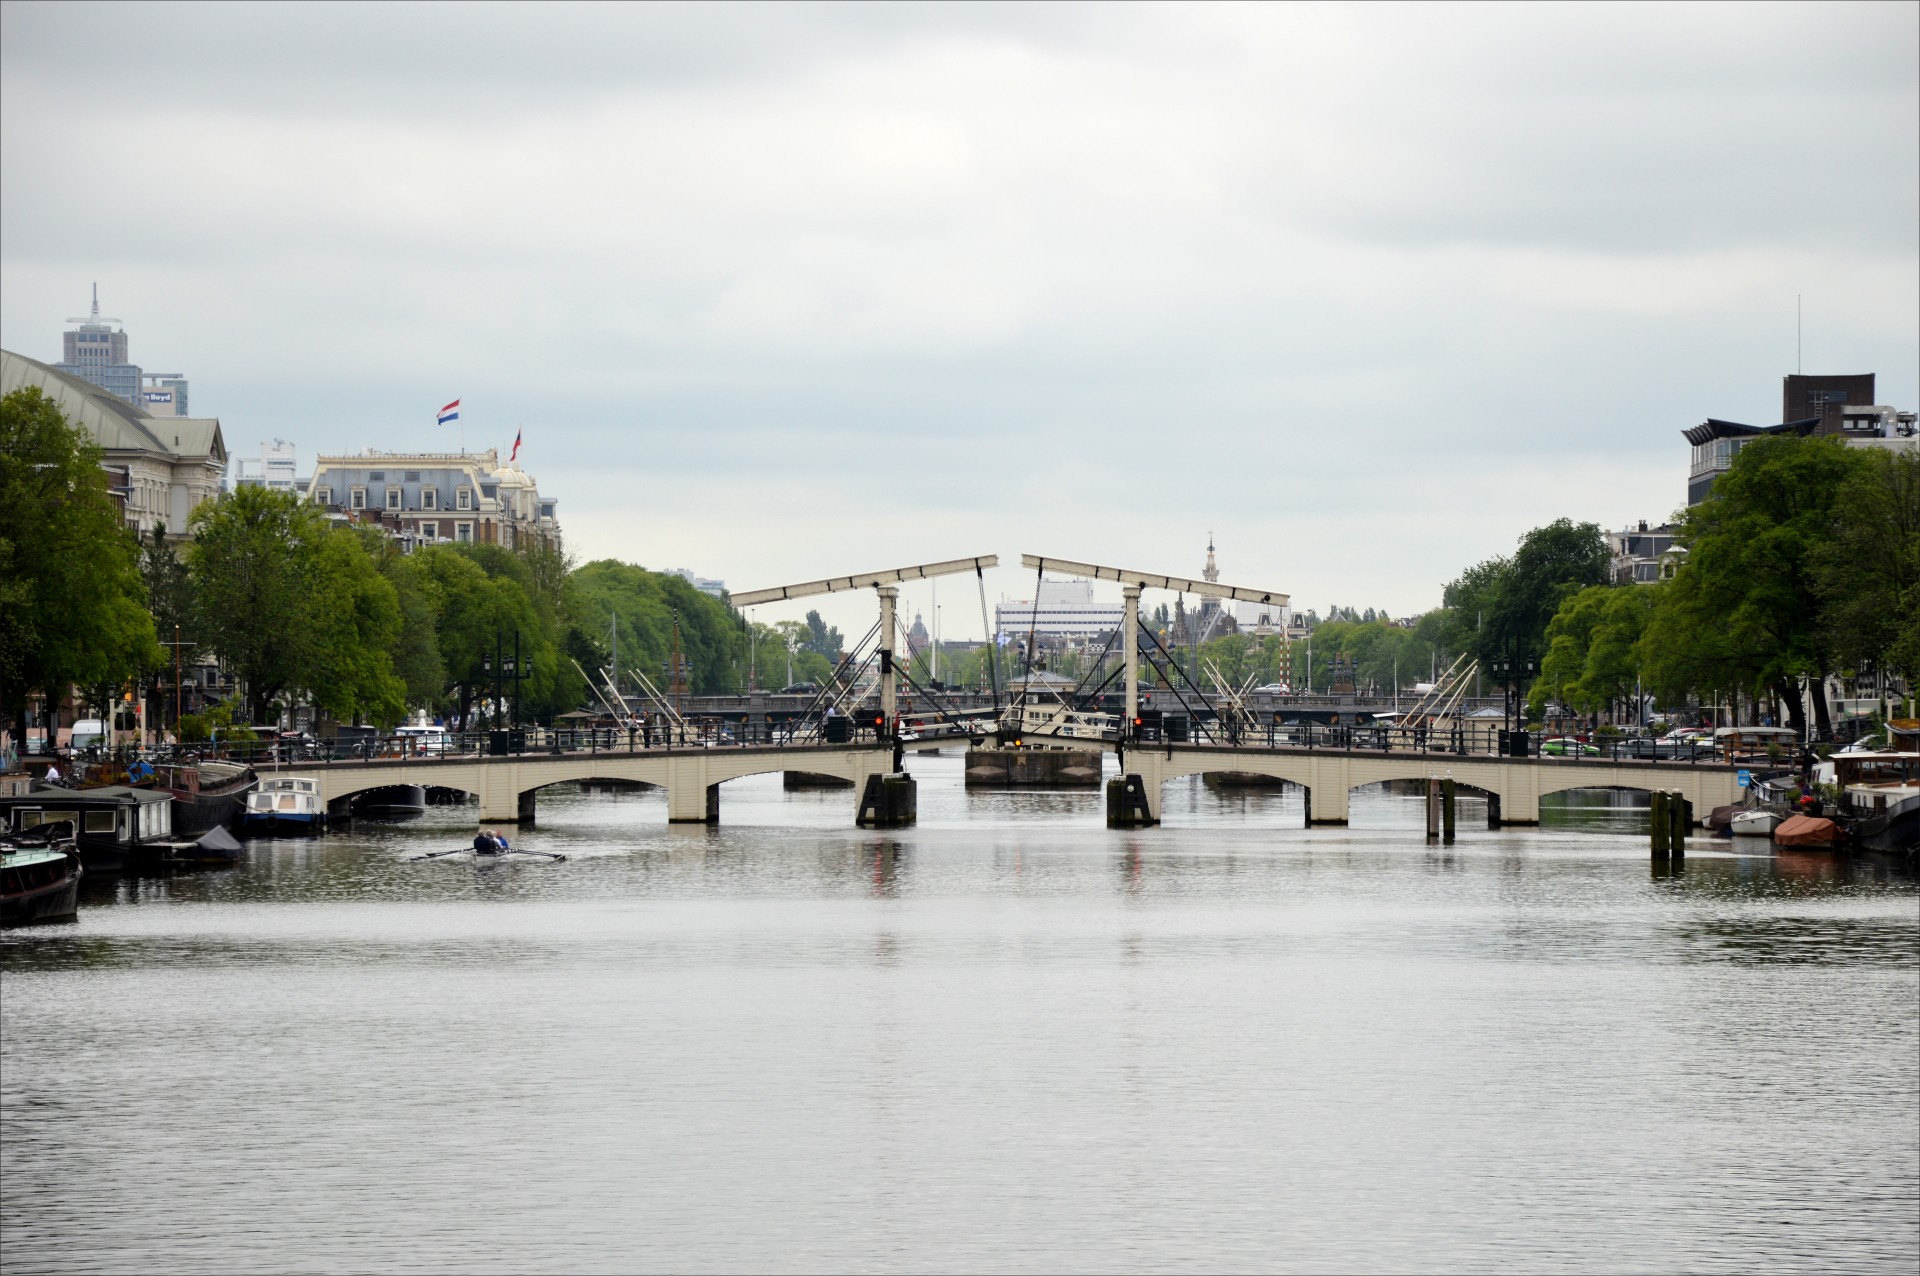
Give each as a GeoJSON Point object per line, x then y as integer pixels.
{"type": "Point", "coordinates": [464, 499]}
{"type": "Point", "coordinates": [359, 498]}
{"type": "Point", "coordinates": [429, 498]}
{"type": "Point", "coordinates": [393, 498]}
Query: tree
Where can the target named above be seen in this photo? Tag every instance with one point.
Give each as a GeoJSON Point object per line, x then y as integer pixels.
{"type": "Point", "coordinates": [1867, 573]}
{"type": "Point", "coordinates": [1592, 659]}
{"type": "Point", "coordinates": [1501, 607]}
{"type": "Point", "coordinates": [713, 637]}
{"type": "Point", "coordinates": [252, 567]}
{"type": "Point", "coordinates": [354, 627]}
{"type": "Point", "coordinates": [72, 601]}
{"type": "Point", "coordinates": [822, 639]}
{"type": "Point", "coordinates": [1743, 613]}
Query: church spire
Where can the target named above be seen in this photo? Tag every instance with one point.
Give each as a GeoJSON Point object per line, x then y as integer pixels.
{"type": "Point", "coordinates": [1212, 572]}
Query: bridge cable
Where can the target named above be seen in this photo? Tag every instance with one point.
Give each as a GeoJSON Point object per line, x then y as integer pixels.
{"type": "Point", "coordinates": [992, 649]}
{"type": "Point", "coordinates": [1033, 626]}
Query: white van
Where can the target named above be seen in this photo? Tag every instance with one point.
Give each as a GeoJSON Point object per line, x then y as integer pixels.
{"type": "Point", "coordinates": [87, 733]}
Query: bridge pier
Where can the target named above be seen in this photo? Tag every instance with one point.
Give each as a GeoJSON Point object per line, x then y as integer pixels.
{"type": "Point", "coordinates": [692, 803]}
{"type": "Point", "coordinates": [889, 802]}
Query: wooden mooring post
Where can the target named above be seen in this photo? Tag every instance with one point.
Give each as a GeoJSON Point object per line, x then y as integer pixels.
{"type": "Point", "coordinates": [1681, 812]}
{"type": "Point", "coordinates": [1447, 810]}
{"type": "Point", "coordinates": [1433, 809]}
{"type": "Point", "coordinates": [1659, 821]}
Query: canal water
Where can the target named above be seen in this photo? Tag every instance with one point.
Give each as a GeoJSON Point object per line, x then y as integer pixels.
{"type": "Point", "coordinates": [1005, 1040]}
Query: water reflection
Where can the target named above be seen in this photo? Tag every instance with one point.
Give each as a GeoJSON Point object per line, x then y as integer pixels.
{"type": "Point", "coordinates": [1006, 1038]}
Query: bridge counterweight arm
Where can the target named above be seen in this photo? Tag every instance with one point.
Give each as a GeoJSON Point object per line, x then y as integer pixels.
{"type": "Point", "coordinates": [1154, 580]}
{"type": "Point", "coordinates": [866, 580]}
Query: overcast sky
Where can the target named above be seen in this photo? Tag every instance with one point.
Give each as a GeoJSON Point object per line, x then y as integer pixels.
{"type": "Point", "coordinates": [788, 291]}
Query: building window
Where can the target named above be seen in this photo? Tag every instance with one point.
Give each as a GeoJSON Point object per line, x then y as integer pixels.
{"type": "Point", "coordinates": [463, 532]}
{"type": "Point", "coordinates": [377, 476]}
{"type": "Point", "coordinates": [393, 498]}
{"type": "Point", "coordinates": [429, 498]}
{"type": "Point", "coordinates": [359, 498]}
{"type": "Point", "coordinates": [429, 531]}
{"type": "Point", "coordinates": [323, 496]}
{"type": "Point", "coordinates": [464, 498]}
{"type": "Point", "coordinates": [413, 476]}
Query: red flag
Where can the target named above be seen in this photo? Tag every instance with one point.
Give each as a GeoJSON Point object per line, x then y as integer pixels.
{"type": "Point", "coordinates": [514, 455]}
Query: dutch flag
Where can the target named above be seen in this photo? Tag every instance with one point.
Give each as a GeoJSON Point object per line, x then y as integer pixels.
{"type": "Point", "coordinates": [450, 413]}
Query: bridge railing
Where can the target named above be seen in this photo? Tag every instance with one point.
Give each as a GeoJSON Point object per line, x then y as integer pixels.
{"type": "Point", "coordinates": [1460, 740]}
{"type": "Point", "coordinates": [521, 742]}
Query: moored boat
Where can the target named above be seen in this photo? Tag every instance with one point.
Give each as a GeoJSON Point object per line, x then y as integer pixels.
{"type": "Point", "coordinates": [117, 829]}
{"type": "Point", "coordinates": [1881, 795]}
{"type": "Point", "coordinates": [391, 802]}
{"type": "Point", "coordinates": [206, 795]}
{"type": "Point", "coordinates": [1756, 822]}
{"type": "Point", "coordinates": [283, 804]}
{"type": "Point", "coordinates": [39, 876]}
{"type": "Point", "coordinates": [1809, 833]}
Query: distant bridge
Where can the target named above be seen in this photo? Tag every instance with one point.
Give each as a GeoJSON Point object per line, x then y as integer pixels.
{"type": "Point", "coordinates": [508, 785]}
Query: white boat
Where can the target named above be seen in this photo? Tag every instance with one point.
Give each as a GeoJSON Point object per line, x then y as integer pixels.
{"type": "Point", "coordinates": [284, 804]}
{"type": "Point", "coordinates": [1754, 823]}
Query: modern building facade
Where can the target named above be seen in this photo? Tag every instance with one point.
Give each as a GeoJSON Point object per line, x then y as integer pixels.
{"type": "Point", "coordinates": [95, 351]}
{"type": "Point", "coordinates": [163, 393]}
{"type": "Point", "coordinates": [705, 584]}
{"type": "Point", "coordinates": [277, 468]}
{"type": "Point", "coordinates": [1061, 609]}
{"type": "Point", "coordinates": [162, 466]}
{"type": "Point", "coordinates": [1841, 406]}
{"type": "Point", "coordinates": [431, 497]}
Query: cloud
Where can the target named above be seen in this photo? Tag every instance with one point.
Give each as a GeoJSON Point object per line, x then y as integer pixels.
{"type": "Point", "coordinates": [779, 291]}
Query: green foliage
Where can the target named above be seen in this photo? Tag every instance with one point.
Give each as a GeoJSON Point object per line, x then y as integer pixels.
{"type": "Point", "coordinates": [1501, 607]}
{"type": "Point", "coordinates": [1867, 573]}
{"type": "Point", "coordinates": [216, 723]}
{"type": "Point", "coordinates": [822, 638]}
{"type": "Point", "coordinates": [713, 638]}
{"type": "Point", "coordinates": [72, 600]}
{"type": "Point", "coordinates": [1743, 613]}
{"type": "Point", "coordinates": [251, 564]}
{"type": "Point", "coordinates": [297, 608]}
{"type": "Point", "coordinates": [1591, 659]}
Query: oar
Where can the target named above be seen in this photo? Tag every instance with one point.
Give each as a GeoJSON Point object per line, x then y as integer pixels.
{"type": "Point", "coordinates": [558, 859]}
{"type": "Point", "coordinates": [414, 859]}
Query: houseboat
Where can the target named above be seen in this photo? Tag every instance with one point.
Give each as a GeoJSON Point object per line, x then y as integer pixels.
{"type": "Point", "coordinates": [118, 829]}
{"type": "Point", "coordinates": [285, 805]}
{"type": "Point", "coordinates": [39, 875]}
{"type": "Point", "coordinates": [1880, 795]}
{"type": "Point", "coordinates": [208, 795]}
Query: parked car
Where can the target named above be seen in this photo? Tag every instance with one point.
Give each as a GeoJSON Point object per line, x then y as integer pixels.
{"type": "Point", "coordinates": [799, 689]}
{"type": "Point", "coordinates": [1568, 747]}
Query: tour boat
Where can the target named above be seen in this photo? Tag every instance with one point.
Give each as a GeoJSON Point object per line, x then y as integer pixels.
{"type": "Point", "coordinates": [285, 805]}
{"type": "Point", "coordinates": [1757, 822]}
{"type": "Point", "coordinates": [39, 876]}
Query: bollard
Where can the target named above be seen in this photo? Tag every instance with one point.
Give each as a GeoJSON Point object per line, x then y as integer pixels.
{"type": "Point", "coordinates": [1447, 809]}
{"type": "Point", "coordinates": [1682, 814]}
{"type": "Point", "coordinates": [1661, 825]}
{"type": "Point", "coordinates": [1433, 809]}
